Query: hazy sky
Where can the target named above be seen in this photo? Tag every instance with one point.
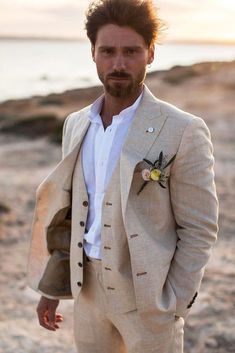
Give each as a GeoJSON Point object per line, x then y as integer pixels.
{"type": "Point", "coordinates": [186, 19]}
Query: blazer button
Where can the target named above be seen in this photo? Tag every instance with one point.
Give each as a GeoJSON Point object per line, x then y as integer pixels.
{"type": "Point", "coordinates": [79, 284]}
{"type": "Point", "coordinates": [80, 245]}
{"type": "Point", "coordinates": [85, 203]}
{"type": "Point", "coordinates": [80, 264]}
{"type": "Point", "coordinates": [82, 224]}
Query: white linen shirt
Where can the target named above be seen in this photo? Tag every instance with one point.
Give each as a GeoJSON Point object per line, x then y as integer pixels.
{"type": "Point", "coordinates": [100, 153]}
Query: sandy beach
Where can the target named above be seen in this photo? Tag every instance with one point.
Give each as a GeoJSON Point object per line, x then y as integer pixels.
{"type": "Point", "coordinates": [30, 132]}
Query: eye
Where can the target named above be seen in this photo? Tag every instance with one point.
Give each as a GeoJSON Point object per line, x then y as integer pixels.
{"type": "Point", "coordinates": [131, 51]}
{"type": "Point", "coordinates": [107, 51]}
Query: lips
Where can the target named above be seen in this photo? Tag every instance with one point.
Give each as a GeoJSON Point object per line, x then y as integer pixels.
{"type": "Point", "coordinates": [119, 77]}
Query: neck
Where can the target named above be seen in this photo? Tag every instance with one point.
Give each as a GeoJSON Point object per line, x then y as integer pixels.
{"type": "Point", "coordinates": [114, 105]}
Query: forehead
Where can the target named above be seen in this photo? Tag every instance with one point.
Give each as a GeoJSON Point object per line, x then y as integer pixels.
{"type": "Point", "coordinates": [116, 36]}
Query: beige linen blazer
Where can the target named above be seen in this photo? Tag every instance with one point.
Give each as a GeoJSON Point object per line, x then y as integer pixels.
{"type": "Point", "coordinates": [170, 231]}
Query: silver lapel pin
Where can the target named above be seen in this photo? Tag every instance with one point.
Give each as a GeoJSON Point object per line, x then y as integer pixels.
{"type": "Point", "coordinates": [150, 129]}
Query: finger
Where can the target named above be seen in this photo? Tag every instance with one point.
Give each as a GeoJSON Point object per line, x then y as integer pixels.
{"type": "Point", "coordinates": [51, 316]}
{"type": "Point", "coordinates": [59, 315]}
{"type": "Point", "coordinates": [48, 327]}
{"type": "Point", "coordinates": [43, 321]}
{"type": "Point", "coordinates": [59, 318]}
{"type": "Point", "coordinates": [51, 326]}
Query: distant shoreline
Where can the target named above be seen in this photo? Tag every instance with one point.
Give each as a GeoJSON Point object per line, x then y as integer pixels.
{"type": "Point", "coordinates": [39, 39]}
{"type": "Point", "coordinates": [81, 39]}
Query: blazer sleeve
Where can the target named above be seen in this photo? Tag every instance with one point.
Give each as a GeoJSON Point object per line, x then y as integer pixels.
{"type": "Point", "coordinates": [55, 282]}
{"type": "Point", "coordinates": [195, 207]}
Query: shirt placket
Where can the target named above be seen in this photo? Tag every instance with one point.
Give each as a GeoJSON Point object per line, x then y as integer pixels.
{"type": "Point", "coordinates": [103, 158]}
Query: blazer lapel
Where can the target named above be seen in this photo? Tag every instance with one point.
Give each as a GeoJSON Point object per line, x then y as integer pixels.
{"type": "Point", "coordinates": [142, 134]}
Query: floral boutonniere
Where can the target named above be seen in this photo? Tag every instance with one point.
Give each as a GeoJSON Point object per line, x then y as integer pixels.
{"type": "Point", "coordinates": [156, 171]}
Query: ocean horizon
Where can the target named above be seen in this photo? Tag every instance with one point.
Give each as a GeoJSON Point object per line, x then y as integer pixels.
{"type": "Point", "coordinates": [40, 67]}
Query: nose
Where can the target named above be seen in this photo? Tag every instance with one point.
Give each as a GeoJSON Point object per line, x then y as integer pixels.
{"type": "Point", "coordinates": [119, 62]}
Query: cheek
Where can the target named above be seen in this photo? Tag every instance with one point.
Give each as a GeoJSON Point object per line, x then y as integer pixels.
{"type": "Point", "coordinates": [102, 65]}
{"type": "Point", "coordinates": [138, 64]}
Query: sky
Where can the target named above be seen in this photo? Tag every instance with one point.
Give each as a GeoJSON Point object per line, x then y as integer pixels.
{"type": "Point", "coordinates": [190, 20]}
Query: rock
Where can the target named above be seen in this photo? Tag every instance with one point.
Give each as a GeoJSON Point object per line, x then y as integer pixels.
{"type": "Point", "coordinates": [211, 343]}
{"type": "Point", "coordinates": [34, 126]}
{"type": "Point", "coordinates": [4, 208]}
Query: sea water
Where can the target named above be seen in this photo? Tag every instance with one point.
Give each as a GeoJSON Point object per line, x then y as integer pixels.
{"type": "Point", "coordinates": [41, 67]}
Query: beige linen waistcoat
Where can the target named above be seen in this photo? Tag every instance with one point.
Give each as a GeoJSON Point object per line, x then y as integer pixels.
{"type": "Point", "coordinates": [116, 265]}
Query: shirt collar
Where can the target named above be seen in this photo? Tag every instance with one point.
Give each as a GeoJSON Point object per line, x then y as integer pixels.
{"type": "Point", "coordinates": [126, 114]}
{"type": "Point", "coordinates": [94, 114]}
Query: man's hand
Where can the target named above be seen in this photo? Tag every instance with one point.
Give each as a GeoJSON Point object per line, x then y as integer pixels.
{"type": "Point", "coordinates": [47, 315]}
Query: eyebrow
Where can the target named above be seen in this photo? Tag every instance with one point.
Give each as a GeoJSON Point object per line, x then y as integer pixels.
{"type": "Point", "coordinates": [136, 47]}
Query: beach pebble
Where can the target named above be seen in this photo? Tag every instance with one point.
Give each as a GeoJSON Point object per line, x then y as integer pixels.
{"type": "Point", "coordinates": [211, 343]}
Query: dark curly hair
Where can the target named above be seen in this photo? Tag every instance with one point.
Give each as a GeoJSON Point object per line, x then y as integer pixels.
{"type": "Point", "coordinates": [140, 15]}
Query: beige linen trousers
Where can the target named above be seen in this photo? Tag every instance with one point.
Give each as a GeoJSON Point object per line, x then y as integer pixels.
{"type": "Point", "coordinates": [169, 232]}
{"type": "Point", "coordinates": [98, 330]}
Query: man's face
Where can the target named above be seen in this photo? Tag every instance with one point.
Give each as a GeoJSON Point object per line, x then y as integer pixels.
{"type": "Point", "coordinates": [121, 56]}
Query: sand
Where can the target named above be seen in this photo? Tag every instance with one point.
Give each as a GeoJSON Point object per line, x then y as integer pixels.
{"type": "Point", "coordinates": [207, 90]}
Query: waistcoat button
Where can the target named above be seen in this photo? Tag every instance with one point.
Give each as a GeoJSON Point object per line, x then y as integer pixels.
{"type": "Point", "coordinates": [85, 203]}
{"type": "Point", "coordinates": [79, 284]}
{"type": "Point", "coordinates": [82, 224]}
{"type": "Point", "coordinates": [80, 245]}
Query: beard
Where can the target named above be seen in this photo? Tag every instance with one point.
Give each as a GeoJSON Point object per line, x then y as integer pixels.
{"type": "Point", "coordinates": [125, 88]}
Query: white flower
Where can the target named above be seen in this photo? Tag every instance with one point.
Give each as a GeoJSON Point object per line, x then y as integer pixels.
{"type": "Point", "coordinates": [146, 174]}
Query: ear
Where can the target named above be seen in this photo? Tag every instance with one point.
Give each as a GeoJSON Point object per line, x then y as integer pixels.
{"type": "Point", "coordinates": [151, 52]}
{"type": "Point", "coordinates": [93, 52]}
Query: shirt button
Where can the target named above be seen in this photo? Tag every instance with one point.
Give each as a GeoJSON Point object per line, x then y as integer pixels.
{"type": "Point", "coordinates": [80, 264]}
{"type": "Point", "coordinates": [82, 224]}
{"type": "Point", "coordinates": [80, 245]}
{"type": "Point", "coordinates": [85, 203]}
{"type": "Point", "coordinates": [79, 284]}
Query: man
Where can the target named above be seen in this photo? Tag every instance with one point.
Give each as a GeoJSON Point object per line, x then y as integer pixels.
{"type": "Point", "coordinates": [126, 221]}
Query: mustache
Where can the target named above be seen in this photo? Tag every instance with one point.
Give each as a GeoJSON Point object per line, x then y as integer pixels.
{"type": "Point", "coordinates": [118, 74]}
